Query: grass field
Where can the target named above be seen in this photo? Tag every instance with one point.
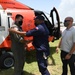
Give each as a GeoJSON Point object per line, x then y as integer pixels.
{"type": "Point", "coordinates": [31, 68]}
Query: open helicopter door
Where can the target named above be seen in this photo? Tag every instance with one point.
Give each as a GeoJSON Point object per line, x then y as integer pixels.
{"type": "Point", "coordinates": [55, 30]}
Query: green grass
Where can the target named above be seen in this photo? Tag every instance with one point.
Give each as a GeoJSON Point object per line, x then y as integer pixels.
{"type": "Point", "coordinates": [31, 68]}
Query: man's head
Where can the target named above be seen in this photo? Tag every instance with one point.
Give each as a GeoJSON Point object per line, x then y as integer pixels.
{"type": "Point", "coordinates": [19, 19]}
{"type": "Point", "coordinates": [68, 21]}
{"type": "Point", "coordinates": [38, 20]}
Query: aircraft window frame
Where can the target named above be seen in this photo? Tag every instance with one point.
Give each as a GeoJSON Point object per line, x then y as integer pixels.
{"type": "Point", "coordinates": [0, 19]}
{"type": "Point", "coordinates": [9, 22]}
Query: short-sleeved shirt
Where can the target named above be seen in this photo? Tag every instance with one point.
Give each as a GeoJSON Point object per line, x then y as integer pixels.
{"type": "Point", "coordinates": [68, 39]}
{"type": "Point", "coordinates": [40, 38]}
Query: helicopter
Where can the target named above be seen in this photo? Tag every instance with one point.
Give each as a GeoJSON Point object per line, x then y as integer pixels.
{"type": "Point", "coordinates": [8, 10]}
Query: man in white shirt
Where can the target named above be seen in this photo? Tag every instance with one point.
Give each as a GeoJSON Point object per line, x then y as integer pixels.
{"type": "Point", "coordinates": [67, 46]}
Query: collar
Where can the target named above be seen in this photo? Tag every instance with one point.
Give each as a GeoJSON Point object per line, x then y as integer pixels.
{"type": "Point", "coordinates": [71, 28]}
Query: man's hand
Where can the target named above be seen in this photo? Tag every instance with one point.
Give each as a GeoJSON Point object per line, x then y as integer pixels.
{"type": "Point", "coordinates": [57, 50]}
{"type": "Point", "coordinates": [68, 56]}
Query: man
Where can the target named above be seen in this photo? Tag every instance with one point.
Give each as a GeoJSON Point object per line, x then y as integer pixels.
{"type": "Point", "coordinates": [40, 41]}
{"type": "Point", "coordinates": [67, 45]}
{"type": "Point", "coordinates": [17, 45]}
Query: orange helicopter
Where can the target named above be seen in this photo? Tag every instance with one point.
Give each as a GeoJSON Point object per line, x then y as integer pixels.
{"type": "Point", "coordinates": [8, 11]}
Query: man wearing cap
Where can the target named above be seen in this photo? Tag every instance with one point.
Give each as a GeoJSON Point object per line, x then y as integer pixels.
{"type": "Point", "coordinates": [40, 41]}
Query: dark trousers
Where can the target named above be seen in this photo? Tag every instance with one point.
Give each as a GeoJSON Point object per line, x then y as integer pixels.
{"type": "Point", "coordinates": [69, 62]}
{"type": "Point", "coordinates": [42, 63]}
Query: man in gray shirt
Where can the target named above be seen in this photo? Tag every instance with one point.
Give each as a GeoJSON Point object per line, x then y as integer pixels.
{"type": "Point", "coordinates": [67, 46]}
{"type": "Point", "coordinates": [17, 46]}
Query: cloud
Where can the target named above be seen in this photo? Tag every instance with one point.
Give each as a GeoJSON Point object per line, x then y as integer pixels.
{"type": "Point", "coordinates": [66, 8]}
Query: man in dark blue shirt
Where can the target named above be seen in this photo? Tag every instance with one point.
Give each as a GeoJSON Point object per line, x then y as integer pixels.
{"type": "Point", "coordinates": [40, 41]}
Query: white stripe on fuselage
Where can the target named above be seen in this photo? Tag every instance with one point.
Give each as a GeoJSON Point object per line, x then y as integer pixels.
{"type": "Point", "coordinates": [4, 26]}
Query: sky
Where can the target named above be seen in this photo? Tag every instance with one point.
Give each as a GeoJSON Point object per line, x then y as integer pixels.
{"type": "Point", "coordinates": [64, 7]}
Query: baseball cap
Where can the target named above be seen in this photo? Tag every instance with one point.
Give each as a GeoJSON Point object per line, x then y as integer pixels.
{"type": "Point", "coordinates": [39, 17]}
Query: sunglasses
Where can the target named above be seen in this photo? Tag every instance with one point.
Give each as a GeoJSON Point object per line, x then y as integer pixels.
{"type": "Point", "coordinates": [67, 20]}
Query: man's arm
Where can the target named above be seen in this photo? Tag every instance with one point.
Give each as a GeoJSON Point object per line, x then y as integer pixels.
{"type": "Point", "coordinates": [72, 49]}
{"type": "Point", "coordinates": [68, 56]}
{"type": "Point", "coordinates": [17, 37]}
{"type": "Point", "coordinates": [17, 32]}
